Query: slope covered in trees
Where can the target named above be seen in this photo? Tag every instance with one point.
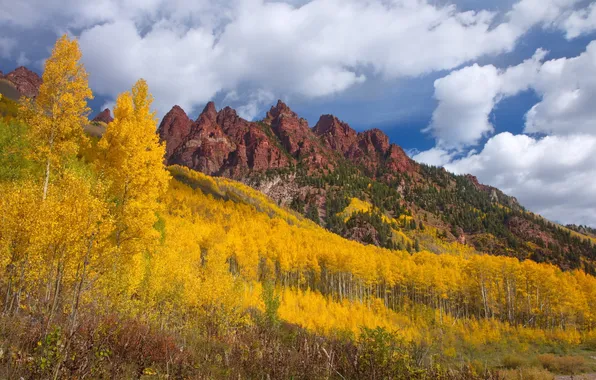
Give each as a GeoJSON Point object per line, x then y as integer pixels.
{"type": "Point", "coordinates": [318, 171]}
{"type": "Point", "coordinates": [115, 266]}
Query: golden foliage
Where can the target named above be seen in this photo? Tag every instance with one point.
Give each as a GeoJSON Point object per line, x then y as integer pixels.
{"type": "Point", "coordinates": [132, 161]}
{"type": "Point", "coordinates": [119, 236]}
{"type": "Point", "coordinates": [57, 115]}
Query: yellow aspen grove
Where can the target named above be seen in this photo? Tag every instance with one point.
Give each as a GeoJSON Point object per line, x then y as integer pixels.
{"type": "Point", "coordinates": [132, 161]}
{"type": "Point", "coordinates": [122, 268]}
{"type": "Point", "coordinates": [57, 115]}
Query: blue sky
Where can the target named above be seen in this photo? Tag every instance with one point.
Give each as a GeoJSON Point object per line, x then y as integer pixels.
{"type": "Point", "coordinates": [462, 83]}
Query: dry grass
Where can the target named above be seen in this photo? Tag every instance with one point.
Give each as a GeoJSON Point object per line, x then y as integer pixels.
{"type": "Point", "coordinates": [567, 365]}
{"type": "Point", "coordinates": [526, 373]}
{"type": "Point", "coordinates": [9, 90]}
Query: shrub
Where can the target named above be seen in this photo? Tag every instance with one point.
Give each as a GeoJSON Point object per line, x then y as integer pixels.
{"type": "Point", "coordinates": [526, 373]}
{"type": "Point", "coordinates": [567, 365]}
{"type": "Point", "coordinates": [513, 362]}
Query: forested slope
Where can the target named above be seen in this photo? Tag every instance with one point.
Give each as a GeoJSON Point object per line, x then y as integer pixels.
{"type": "Point", "coordinates": [113, 265]}
{"type": "Point", "coordinates": [318, 171]}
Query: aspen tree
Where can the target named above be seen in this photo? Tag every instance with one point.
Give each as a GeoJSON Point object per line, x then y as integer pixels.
{"type": "Point", "coordinates": [56, 117]}
{"type": "Point", "coordinates": [132, 160]}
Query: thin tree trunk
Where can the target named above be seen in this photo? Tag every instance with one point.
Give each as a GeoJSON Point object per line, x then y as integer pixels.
{"type": "Point", "coordinates": [46, 181]}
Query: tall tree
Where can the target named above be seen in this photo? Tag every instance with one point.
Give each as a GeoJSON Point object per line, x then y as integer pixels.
{"type": "Point", "coordinates": [132, 160]}
{"type": "Point", "coordinates": [57, 115]}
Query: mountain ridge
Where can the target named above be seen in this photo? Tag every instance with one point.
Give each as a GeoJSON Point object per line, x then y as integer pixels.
{"type": "Point", "coordinates": [317, 170]}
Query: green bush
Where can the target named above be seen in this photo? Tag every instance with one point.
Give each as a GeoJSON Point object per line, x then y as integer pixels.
{"type": "Point", "coordinates": [513, 362]}
{"type": "Point", "coordinates": [272, 303]}
{"type": "Point", "coordinates": [13, 148]}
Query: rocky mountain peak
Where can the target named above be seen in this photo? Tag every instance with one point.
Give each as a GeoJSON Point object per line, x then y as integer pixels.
{"type": "Point", "coordinates": [374, 140]}
{"type": "Point", "coordinates": [174, 127]}
{"type": "Point", "coordinates": [228, 118]}
{"type": "Point", "coordinates": [279, 110]}
{"type": "Point", "coordinates": [26, 81]}
{"type": "Point", "coordinates": [104, 116]}
{"type": "Point", "coordinates": [209, 112]}
{"type": "Point", "coordinates": [335, 134]}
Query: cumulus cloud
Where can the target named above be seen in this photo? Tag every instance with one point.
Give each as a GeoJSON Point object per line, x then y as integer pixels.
{"type": "Point", "coordinates": [434, 156]}
{"type": "Point", "coordinates": [580, 22]}
{"type": "Point", "coordinates": [467, 96]}
{"type": "Point", "coordinates": [176, 64]}
{"type": "Point", "coordinates": [191, 51]}
{"type": "Point", "coordinates": [315, 49]}
{"type": "Point", "coordinates": [554, 176]}
{"type": "Point", "coordinates": [6, 47]}
{"type": "Point", "coordinates": [567, 87]}
{"type": "Point", "coordinates": [249, 110]}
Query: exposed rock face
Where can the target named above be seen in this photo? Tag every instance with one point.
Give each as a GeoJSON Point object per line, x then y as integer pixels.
{"type": "Point", "coordinates": [104, 116]}
{"type": "Point", "coordinates": [255, 150]}
{"type": "Point", "coordinates": [205, 147]}
{"type": "Point", "coordinates": [296, 137]}
{"type": "Point", "coordinates": [222, 143]}
{"type": "Point", "coordinates": [373, 140]}
{"type": "Point", "coordinates": [364, 233]}
{"type": "Point", "coordinates": [529, 230]}
{"type": "Point", "coordinates": [26, 81]}
{"type": "Point", "coordinates": [335, 134]}
{"type": "Point", "coordinates": [496, 195]}
{"type": "Point", "coordinates": [174, 127]}
{"type": "Point", "coordinates": [398, 161]}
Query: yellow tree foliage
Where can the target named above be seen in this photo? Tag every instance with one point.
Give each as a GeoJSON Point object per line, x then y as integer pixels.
{"type": "Point", "coordinates": [132, 161]}
{"type": "Point", "coordinates": [57, 115]}
{"type": "Point", "coordinates": [58, 244]}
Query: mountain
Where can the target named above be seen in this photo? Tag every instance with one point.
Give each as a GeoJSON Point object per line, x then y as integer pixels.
{"type": "Point", "coordinates": [356, 184]}
{"type": "Point", "coordinates": [363, 187]}
{"type": "Point", "coordinates": [25, 81]}
{"type": "Point", "coordinates": [104, 116]}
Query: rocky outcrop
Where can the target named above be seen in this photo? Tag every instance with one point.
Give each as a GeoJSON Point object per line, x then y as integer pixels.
{"type": "Point", "coordinates": [26, 81]}
{"type": "Point", "coordinates": [174, 128]}
{"type": "Point", "coordinates": [296, 137]}
{"type": "Point", "coordinates": [496, 195]}
{"type": "Point", "coordinates": [255, 149]}
{"type": "Point", "coordinates": [205, 147]}
{"type": "Point", "coordinates": [222, 143]}
{"type": "Point", "coordinates": [397, 161]}
{"type": "Point", "coordinates": [335, 134]}
{"type": "Point", "coordinates": [104, 116]}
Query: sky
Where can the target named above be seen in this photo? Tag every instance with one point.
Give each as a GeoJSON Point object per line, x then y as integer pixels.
{"type": "Point", "coordinates": [502, 89]}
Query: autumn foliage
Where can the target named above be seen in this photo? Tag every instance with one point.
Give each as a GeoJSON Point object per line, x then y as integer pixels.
{"type": "Point", "coordinates": [100, 244]}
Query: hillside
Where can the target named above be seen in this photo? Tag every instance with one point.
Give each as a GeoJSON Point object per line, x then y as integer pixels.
{"type": "Point", "coordinates": [115, 265]}
{"type": "Point", "coordinates": [316, 171]}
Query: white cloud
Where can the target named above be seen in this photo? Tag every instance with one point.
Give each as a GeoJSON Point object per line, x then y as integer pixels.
{"type": "Point", "coordinates": [527, 13]}
{"type": "Point", "coordinates": [191, 51]}
{"type": "Point", "coordinates": [6, 47]}
{"type": "Point", "coordinates": [554, 176]}
{"type": "Point", "coordinates": [434, 156]}
{"type": "Point", "coordinates": [580, 22]}
{"type": "Point", "coordinates": [22, 59]}
{"type": "Point", "coordinates": [178, 65]}
{"type": "Point", "coordinates": [567, 87]}
{"type": "Point", "coordinates": [256, 100]}
{"type": "Point", "coordinates": [467, 96]}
